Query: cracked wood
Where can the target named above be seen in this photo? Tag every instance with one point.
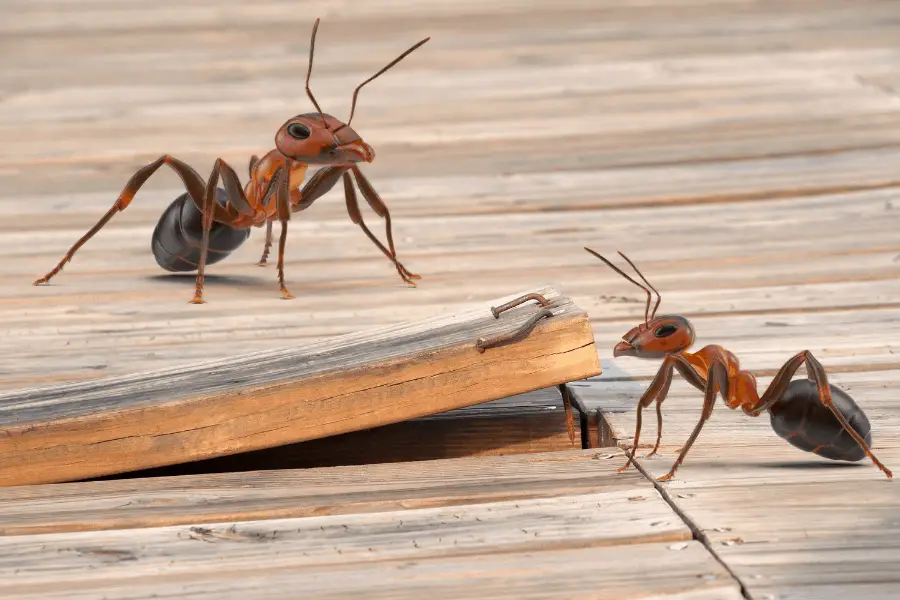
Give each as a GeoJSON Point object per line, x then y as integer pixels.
{"type": "Point", "coordinates": [288, 395]}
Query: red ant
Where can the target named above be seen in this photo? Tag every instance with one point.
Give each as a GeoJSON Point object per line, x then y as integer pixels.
{"type": "Point", "coordinates": [219, 221]}
{"type": "Point", "coordinates": [810, 414]}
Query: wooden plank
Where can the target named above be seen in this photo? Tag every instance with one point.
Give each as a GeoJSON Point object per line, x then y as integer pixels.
{"type": "Point", "coordinates": [271, 398]}
{"type": "Point", "coordinates": [527, 423]}
{"type": "Point", "coordinates": [255, 495]}
{"type": "Point", "coordinates": [619, 528]}
{"type": "Point", "coordinates": [682, 571]}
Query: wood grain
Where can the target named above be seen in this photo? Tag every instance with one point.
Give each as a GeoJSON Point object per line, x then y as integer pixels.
{"type": "Point", "coordinates": [254, 495]}
{"type": "Point", "coordinates": [744, 153]}
{"type": "Point", "coordinates": [288, 395]}
{"type": "Point", "coordinates": [527, 423]}
{"type": "Point", "coordinates": [459, 550]}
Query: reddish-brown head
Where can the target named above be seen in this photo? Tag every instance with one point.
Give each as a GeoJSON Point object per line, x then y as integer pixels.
{"type": "Point", "coordinates": [319, 138]}
{"type": "Point", "coordinates": [656, 336]}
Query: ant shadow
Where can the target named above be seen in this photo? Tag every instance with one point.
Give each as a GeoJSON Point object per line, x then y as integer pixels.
{"type": "Point", "coordinates": [811, 465]}
{"type": "Point", "coordinates": [188, 279]}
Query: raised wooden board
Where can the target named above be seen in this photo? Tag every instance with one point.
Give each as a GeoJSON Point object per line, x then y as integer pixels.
{"type": "Point", "coordinates": [526, 423]}
{"type": "Point", "coordinates": [288, 395]}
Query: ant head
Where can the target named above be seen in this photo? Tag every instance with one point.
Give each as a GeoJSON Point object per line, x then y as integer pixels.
{"type": "Point", "coordinates": [319, 138]}
{"type": "Point", "coordinates": [656, 336]}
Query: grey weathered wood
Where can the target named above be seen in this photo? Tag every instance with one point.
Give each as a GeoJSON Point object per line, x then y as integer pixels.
{"type": "Point", "coordinates": [288, 395]}
{"type": "Point", "coordinates": [159, 501]}
{"type": "Point", "coordinates": [683, 573]}
{"type": "Point", "coordinates": [335, 553]}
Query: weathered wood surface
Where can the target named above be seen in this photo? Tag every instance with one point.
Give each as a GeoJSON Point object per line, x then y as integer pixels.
{"type": "Point", "coordinates": [789, 524]}
{"type": "Point", "coordinates": [522, 539]}
{"type": "Point", "coordinates": [161, 501]}
{"type": "Point", "coordinates": [527, 423]}
{"type": "Point", "coordinates": [288, 395]}
{"type": "Point", "coordinates": [761, 138]}
{"type": "Point", "coordinates": [744, 153]}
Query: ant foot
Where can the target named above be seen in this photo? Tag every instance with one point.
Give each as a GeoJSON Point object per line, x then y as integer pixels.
{"type": "Point", "coordinates": [666, 477]}
{"type": "Point", "coordinates": [406, 275]}
{"type": "Point", "coordinates": [286, 295]}
{"type": "Point", "coordinates": [198, 299]}
{"type": "Point", "coordinates": [262, 263]}
{"type": "Point", "coordinates": [652, 452]}
{"type": "Point", "coordinates": [41, 281]}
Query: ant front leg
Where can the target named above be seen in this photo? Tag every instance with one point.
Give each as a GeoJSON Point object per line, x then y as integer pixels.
{"type": "Point", "coordinates": [265, 254]}
{"type": "Point", "coordinates": [716, 381]}
{"type": "Point", "coordinates": [659, 419]}
{"type": "Point", "coordinates": [816, 372]}
{"type": "Point", "coordinates": [380, 208]}
{"type": "Point", "coordinates": [658, 388]}
{"type": "Point", "coordinates": [283, 206]}
{"type": "Point", "coordinates": [192, 182]}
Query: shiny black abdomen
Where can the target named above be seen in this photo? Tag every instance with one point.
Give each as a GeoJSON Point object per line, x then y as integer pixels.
{"type": "Point", "coordinates": [176, 239]}
{"type": "Point", "coordinates": [804, 422]}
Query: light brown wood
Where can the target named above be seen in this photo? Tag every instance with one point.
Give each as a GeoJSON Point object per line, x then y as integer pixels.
{"type": "Point", "coordinates": [288, 395]}
{"type": "Point", "coordinates": [527, 423]}
{"type": "Point", "coordinates": [517, 135]}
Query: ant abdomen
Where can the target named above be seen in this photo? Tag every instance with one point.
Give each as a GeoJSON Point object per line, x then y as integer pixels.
{"type": "Point", "coordinates": [178, 234]}
{"type": "Point", "coordinates": [801, 419]}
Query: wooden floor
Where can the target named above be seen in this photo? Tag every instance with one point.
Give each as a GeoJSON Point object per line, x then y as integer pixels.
{"type": "Point", "coordinates": [745, 154]}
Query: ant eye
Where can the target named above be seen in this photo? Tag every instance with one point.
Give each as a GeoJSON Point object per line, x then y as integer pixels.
{"type": "Point", "coordinates": [665, 330]}
{"type": "Point", "coordinates": [298, 131]}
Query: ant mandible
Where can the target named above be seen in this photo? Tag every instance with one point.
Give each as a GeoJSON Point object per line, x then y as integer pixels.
{"type": "Point", "coordinates": [810, 414]}
{"type": "Point", "coordinates": [312, 138]}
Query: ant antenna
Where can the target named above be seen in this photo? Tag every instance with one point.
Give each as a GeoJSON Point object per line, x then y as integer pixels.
{"type": "Point", "coordinates": [312, 46]}
{"type": "Point", "coordinates": [626, 276]}
{"type": "Point", "coordinates": [391, 64]}
{"type": "Point", "coordinates": [638, 271]}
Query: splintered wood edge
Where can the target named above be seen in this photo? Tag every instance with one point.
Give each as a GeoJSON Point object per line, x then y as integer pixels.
{"type": "Point", "coordinates": [558, 350]}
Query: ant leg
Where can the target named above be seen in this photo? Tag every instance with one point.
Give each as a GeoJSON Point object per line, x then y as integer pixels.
{"type": "Point", "coordinates": [265, 254]}
{"type": "Point", "coordinates": [659, 401]}
{"type": "Point", "coordinates": [816, 372]}
{"type": "Point", "coordinates": [716, 381]}
{"type": "Point", "coordinates": [356, 217]}
{"type": "Point", "coordinates": [659, 384]}
{"type": "Point", "coordinates": [381, 210]}
{"type": "Point", "coordinates": [283, 204]}
{"type": "Point", "coordinates": [318, 185]}
{"type": "Point", "coordinates": [237, 202]}
{"type": "Point", "coordinates": [192, 182]}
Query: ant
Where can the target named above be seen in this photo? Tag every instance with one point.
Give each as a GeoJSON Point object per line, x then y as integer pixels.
{"type": "Point", "coordinates": [810, 414]}
{"type": "Point", "coordinates": [218, 221]}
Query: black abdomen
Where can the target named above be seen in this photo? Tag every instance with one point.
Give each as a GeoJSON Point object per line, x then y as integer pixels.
{"type": "Point", "coordinates": [806, 423]}
{"type": "Point", "coordinates": [179, 232]}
